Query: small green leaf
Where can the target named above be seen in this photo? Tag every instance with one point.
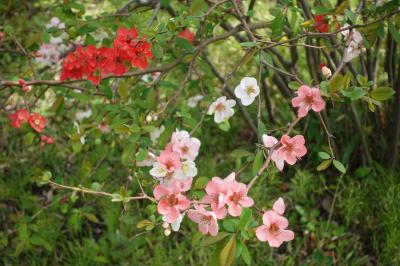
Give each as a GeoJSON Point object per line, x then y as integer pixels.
{"type": "Point", "coordinates": [248, 44]}
{"type": "Point", "coordinates": [277, 25]}
{"type": "Point", "coordinates": [336, 83]}
{"type": "Point", "coordinates": [324, 165]}
{"type": "Point", "coordinates": [224, 126]}
{"type": "Point", "coordinates": [324, 155]}
{"type": "Point", "coordinates": [339, 166]}
{"type": "Point", "coordinates": [214, 239]}
{"type": "Point", "coordinates": [258, 160]}
{"type": "Point", "coordinates": [245, 217]}
{"type": "Point", "coordinates": [201, 182]}
{"type": "Point", "coordinates": [382, 93]}
{"type": "Point", "coordinates": [245, 254]}
{"type": "Point", "coordinates": [143, 223]}
{"type": "Point", "coordinates": [228, 252]}
{"type": "Point", "coordinates": [230, 225]}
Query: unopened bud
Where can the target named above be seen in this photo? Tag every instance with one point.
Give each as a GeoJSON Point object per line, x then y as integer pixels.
{"type": "Point", "coordinates": [326, 72]}
{"type": "Point", "coordinates": [155, 117]}
{"type": "Point", "coordinates": [167, 232]}
{"type": "Point", "coordinates": [165, 225]}
{"type": "Point", "coordinates": [363, 50]}
{"type": "Point", "coordinates": [149, 118]}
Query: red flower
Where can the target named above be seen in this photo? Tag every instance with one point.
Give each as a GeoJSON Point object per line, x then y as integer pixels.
{"type": "Point", "coordinates": [46, 140]}
{"type": "Point", "coordinates": [19, 117]}
{"type": "Point", "coordinates": [2, 35]}
{"type": "Point", "coordinates": [321, 23]}
{"type": "Point", "coordinates": [187, 34]}
{"type": "Point", "coordinates": [74, 64]}
{"type": "Point", "coordinates": [37, 122]}
{"type": "Point", "coordinates": [22, 83]}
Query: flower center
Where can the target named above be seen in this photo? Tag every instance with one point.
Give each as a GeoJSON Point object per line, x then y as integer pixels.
{"type": "Point", "coordinates": [220, 107]}
{"type": "Point", "coordinates": [250, 90]}
{"type": "Point", "coordinates": [309, 100]}
{"type": "Point", "coordinates": [206, 220]}
{"type": "Point", "coordinates": [37, 122]}
{"type": "Point", "coordinates": [274, 229]}
{"type": "Point", "coordinates": [235, 197]}
{"type": "Point", "coordinates": [172, 200]}
{"type": "Point", "coordinates": [184, 149]}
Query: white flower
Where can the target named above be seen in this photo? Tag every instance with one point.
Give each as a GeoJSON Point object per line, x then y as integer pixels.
{"type": "Point", "coordinates": [83, 114]}
{"type": "Point", "coordinates": [53, 22]}
{"type": "Point", "coordinates": [326, 72]}
{"type": "Point", "coordinates": [222, 109]}
{"type": "Point", "coordinates": [247, 90]}
{"type": "Point", "coordinates": [158, 171]}
{"type": "Point", "coordinates": [188, 169]}
{"type": "Point", "coordinates": [148, 161]}
{"type": "Point", "coordinates": [177, 224]}
{"type": "Point", "coordinates": [154, 135]}
{"type": "Point", "coordinates": [193, 101]}
{"type": "Point", "coordinates": [353, 49]}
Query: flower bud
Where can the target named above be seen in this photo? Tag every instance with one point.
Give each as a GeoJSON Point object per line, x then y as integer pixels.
{"type": "Point", "coordinates": [165, 225]}
{"type": "Point", "coordinates": [167, 232]}
{"type": "Point", "coordinates": [363, 50]}
{"type": "Point", "coordinates": [149, 118]}
{"type": "Point", "coordinates": [155, 117]}
{"type": "Point", "coordinates": [326, 72]}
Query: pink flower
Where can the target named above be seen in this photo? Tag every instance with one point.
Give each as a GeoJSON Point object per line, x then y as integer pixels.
{"type": "Point", "coordinates": [308, 98]}
{"type": "Point", "coordinates": [237, 198]}
{"type": "Point", "coordinates": [207, 220]}
{"type": "Point", "coordinates": [291, 150]}
{"type": "Point", "coordinates": [46, 140]}
{"type": "Point", "coordinates": [269, 141]}
{"type": "Point", "coordinates": [19, 117]}
{"type": "Point", "coordinates": [171, 201]}
{"type": "Point", "coordinates": [167, 163]}
{"type": "Point", "coordinates": [187, 147]}
{"type": "Point", "coordinates": [274, 226]}
{"type": "Point", "coordinates": [217, 191]}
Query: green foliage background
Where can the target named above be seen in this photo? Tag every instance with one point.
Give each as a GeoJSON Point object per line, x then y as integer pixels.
{"type": "Point", "coordinates": [341, 219]}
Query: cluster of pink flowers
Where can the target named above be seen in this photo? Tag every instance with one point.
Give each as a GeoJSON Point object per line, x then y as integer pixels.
{"type": "Point", "coordinates": [274, 226]}
{"type": "Point", "coordinates": [221, 193]}
{"type": "Point", "coordinates": [94, 63]}
{"type": "Point", "coordinates": [35, 120]}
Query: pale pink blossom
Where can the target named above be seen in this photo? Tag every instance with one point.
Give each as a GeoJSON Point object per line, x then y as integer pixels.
{"type": "Point", "coordinates": [171, 201]}
{"type": "Point", "coordinates": [217, 191]}
{"type": "Point", "coordinates": [237, 198]}
{"type": "Point", "coordinates": [307, 99]}
{"type": "Point", "coordinates": [247, 90]}
{"type": "Point", "coordinates": [207, 220]}
{"type": "Point", "coordinates": [274, 226]}
{"type": "Point", "coordinates": [167, 163]}
{"type": "Point", "coordinates": [354, 44]}
{"type": "Point", "coordinates": [222, 109]}
{"type": "Point", "coordinates": [291, 150]}
{"type": "Point", "coordinates": [269, 141]}
{"type": "Point", "coordinates": [187, 147]}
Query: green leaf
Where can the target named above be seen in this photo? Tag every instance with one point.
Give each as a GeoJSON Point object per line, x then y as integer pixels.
{"type": "Point", "coordinates": [214, 239]}
{"type": "Point", "coordinates": [336, 83]}
{"type": "Point", "coordinates": [201, 182]}
{"type": "Point", "coordinates": [395, 32]}
{"type": "Point", "coordinates": [324, 155]}
{"type": "Point", "coordinates": [354, 93]}
{"type": "Point", "coordinates": [228, 252]}
{"type": "Point", "coordinates": [277, 25]}
{"type": "Point", "coordinates": [294, 85]}
{"type": "Point", "coordinates": [351, 16]}
{"type": "Point", "coordinates": [225, 126]}
{"type": "Point", "coordinates": [339, 166]}
{"type": "Point", "coordinates": [382, 93]}
{"type": "Point", "coordinates": [230, 225]}
{"type": "Point", "coordinates": [324, 165]}
{"type": "Point", "coordinates": [258, 161]}
{"type": "Point", "coordinates": [143, 223]}
{"type": "Point", "coordinates": [248, 44]}
{"type": "Point", "coordinates": [244, 218]}
{"type": "Point", "coordinates": [239, 153]}
{"type": "Point", "coordinates": [245, 254]}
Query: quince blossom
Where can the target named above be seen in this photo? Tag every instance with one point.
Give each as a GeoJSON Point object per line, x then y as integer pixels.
{"type": "Point", "coordinates": [187, 147]}
{"type": "Point", "coordinates": [291, 150]}
{"type": "Point", "coordinates": [308, 98]}
{"type": "Point", "coordinates": [171, 201]}
{"type": "Point", "coordinates": [247, 90]}
{"type": "Point", "coordinates": [353, 49]}
{"type": "Point", "coordinates": [222, 109]}
{"type": "Point", "coordinates": [19, 117]}
{"type": "Point", "coordinates": [207, 220]}
{"type": "Point", "coordinates": [274, 226]}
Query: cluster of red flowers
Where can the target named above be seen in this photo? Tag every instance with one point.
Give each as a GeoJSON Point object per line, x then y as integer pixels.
{"type": "Point", "coordinates": [95, 63]}
{"type": "Point", "coordinates": [321, 23]}
{"type": "Point", "coordinates": [25, 87]}
{"type": "Point", "coordinates": [35, 120]}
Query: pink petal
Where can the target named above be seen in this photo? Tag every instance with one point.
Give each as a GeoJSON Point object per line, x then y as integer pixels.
{"type": "Point", "coordinates": [279, 206]}
{"type": "Point", "coordinates": [318, 104]}
{"type": "Point", "coordinates": [213, 228]}
{"type": "Point", "coordinates": [269, 141]}
{"type": "Point", "coordinates": [194, 216]}
{"type": "Point", "coordinates": [303, 110]}
{"type": "Point", "coordinates": [160, 191]}
{"type": "Point", "coordinates": [235, 210]}
{"type": "Point", "coordinates": [297, 101]}
{"type": "Point", "coordinates": [285, 235]}
{"type": "Point", "coordinates": [172, 215]}
{"type": "Point", "coordinates": [246, 202]}
{"type": "Point", "coordinates": [203, 228]}
{"type": "Point", "coordinates": [262, 233]}
{"type": "Point", "coordinates": [220, 213]}
{"type": "Point", "coordinates": [290, 158]}
{"type": "Point", "coordinates": [274, 241]}
{"type": "Point", "coordinates": [183, 203]}
{"type": "Point", "coordinates": [163, 207]}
